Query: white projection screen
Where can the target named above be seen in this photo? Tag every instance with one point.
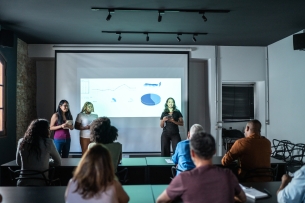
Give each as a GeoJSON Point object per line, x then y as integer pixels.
{"type": "Point", "coordinates": [130, 88]}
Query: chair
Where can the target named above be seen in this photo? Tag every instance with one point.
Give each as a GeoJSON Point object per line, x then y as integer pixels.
{"type": "Point", "coordinates": [295, 161]}
{"type": "Point", "coordinates": [174, 170]}
{"type": "Point", "coordinates": [261, 175]}
{"type": "Point", "coordinates": [228, 142]}
{"type": "Point", "coordinates": [122, 175]}
{"type": "Point", "coordinates": [281, 149]}
{"type": "Point", "coordinates": [27, 174]}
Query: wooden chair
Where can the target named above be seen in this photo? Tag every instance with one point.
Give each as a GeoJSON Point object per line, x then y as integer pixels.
{"type": "Point", "coordinates": [34, 175]}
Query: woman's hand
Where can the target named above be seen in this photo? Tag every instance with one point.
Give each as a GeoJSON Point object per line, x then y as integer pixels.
{"type": "Point", "coordinates": [165, 118]}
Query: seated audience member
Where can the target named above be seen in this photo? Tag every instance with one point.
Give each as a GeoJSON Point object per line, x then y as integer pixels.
{"type": "Point", "coordinates": [252, 152]}
{"type": "Point", "coordinates": [292, 189]}
{"type": "Point", "coordinates": [94, 180]}
{"type": "Point", "coordinates": [182, 156]}
{"type": "Point", "coordinates": [105, 134]}
{"type": "Point", "coordinates": [34, 151]}
{"type": "Point", "coordinates": [206, 182]}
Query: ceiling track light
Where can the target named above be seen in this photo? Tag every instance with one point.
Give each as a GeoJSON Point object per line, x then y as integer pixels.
{"type": "Point", "coordinates": [110, 11]}
{"type": "Point", "coordinates": [155, 33]}
{"type": "Point", "coordinates": [161, 12]}
{"type": "Point", "coordinates": [204, 18]}
{"type": "Point", "coordinates": [120, 37]}
{"type": "Point", "coordinates": [147, 37]}
{"type": "Point", "coordinates": [178, 38]}
{"type": "Point", "coordinates": [194, 39]}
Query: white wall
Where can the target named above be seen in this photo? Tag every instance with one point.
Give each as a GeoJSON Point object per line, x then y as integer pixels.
{"type": "Point", "coordinates": [287, 97]}
{"type": "Point", "coordinates": [246, 65]}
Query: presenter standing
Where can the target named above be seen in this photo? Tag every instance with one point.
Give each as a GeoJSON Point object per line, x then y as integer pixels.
{"type": "Point", "coordinates": [61, 123]}
{"type": "Point", "coordinates": [170, 119]}
{"type": "Point", "coordinates": [83, 122]}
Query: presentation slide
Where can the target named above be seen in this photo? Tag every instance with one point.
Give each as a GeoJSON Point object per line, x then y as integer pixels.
{"type": "Point", "coordinates": [132, 97]}
{"type": "Point", "coordinates": [131, 88]}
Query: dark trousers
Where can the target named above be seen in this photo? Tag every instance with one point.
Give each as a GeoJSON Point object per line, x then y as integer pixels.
{"type": "Point", "coordinates": [166, 139]}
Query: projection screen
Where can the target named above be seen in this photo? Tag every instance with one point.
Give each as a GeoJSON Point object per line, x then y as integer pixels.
{"type": "Point", "coordinates": [130, 88]}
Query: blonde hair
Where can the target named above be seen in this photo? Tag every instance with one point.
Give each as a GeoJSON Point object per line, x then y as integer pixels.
{"type": "Point", "coordinates": [85, 107]}
{"type": "Point", "coordinates": [94, 173]}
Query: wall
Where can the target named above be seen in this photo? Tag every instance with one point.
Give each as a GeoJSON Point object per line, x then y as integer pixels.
{"type": "Point", "coordinates": [246, 65]}
{"type": "Point", "coordinates": [26, 89]}
{"type": "Point", "coordinates": [286, 80]}
{"type": "Point", "coordinates": [8, 143]}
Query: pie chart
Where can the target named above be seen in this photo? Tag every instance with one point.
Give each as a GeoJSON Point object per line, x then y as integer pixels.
{"type": "Point", "coordinates": [150, 99]}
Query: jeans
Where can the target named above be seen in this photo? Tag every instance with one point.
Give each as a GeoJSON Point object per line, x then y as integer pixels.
{"type": "Point", "coordinates": [63, 147]}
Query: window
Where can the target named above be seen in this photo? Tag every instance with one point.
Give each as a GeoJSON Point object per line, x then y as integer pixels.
{"type": "Point", "coordinates": [2, 96]}
{"type": "Point", "coordinates": [237, 102]}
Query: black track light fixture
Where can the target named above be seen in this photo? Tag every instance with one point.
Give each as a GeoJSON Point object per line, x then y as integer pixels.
{"type": "Point", "coordinates": [110, 11]}
{"type": "Point", "coordinates": [178, 38]}
{"type": "Point", "coordinates": [161, 12]}
{"type": "Point", "coordinates": [194, 39]}
{"type": "Point", "coordinates": [204, 18]}
{"type": "Point", "coordinates": [120, 37]}
{"type": "Point", "coordinates": [147, 37]}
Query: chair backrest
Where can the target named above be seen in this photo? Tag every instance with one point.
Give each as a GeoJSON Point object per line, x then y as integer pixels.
{"type": "Point", "coordinates": [261, 174]}
{"type": "Point", "coordinates": [122, 175]}
{"type": "Point", "coordinates": [32, 176]}
{"type": "Point", "coordinates": [228, 142]}
{"type": "Point", "coordinates": [281, 149]}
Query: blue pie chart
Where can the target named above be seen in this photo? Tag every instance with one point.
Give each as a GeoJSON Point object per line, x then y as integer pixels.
{"type": "Point", "coordinates": [150, 99]}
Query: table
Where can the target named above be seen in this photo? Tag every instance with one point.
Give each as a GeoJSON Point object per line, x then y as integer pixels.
{"type": "Point", "coordinates": [159, 171]}
{"type": "Point", "coordinates": [272, 187]}
{"type": "Point", "coordinates": [137, 172]}
{"type": "Point", "coordinates": [137, 194]}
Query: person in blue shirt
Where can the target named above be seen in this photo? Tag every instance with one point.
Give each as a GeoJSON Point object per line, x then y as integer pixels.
{"type": "Point", "coordinates": [182, 157]}
{"type": "Point", "coordinates": [292, 189]}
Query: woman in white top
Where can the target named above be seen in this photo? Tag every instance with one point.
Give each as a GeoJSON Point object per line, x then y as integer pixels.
{"type": "Point", "coordinates": [83, 122]}
{"type": "Point", "coordinates": [94, 180]}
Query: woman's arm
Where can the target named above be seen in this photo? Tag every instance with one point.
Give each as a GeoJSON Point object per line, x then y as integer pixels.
{"type": "Point", "coordinates": [53, 121]}
{"type": "Point", "coordinates": [163, 121]}
{"type": "Point", "coordinates": [122, 195]}
{"type": "Point", "coordinates": [179, 122]}
{"type": "Point", "coordinates": [78, 126]}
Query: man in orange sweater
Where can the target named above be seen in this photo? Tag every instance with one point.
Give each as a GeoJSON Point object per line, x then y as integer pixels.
{"type": "Point", "coordinates": [252, 152]}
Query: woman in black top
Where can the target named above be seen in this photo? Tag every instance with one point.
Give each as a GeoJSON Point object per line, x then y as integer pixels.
{"type": "Point", "coordinates": [169, 121]}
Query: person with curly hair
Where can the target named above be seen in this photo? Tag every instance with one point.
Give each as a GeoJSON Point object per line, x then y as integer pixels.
{"type": "Point", "coordinates": [61, 123]}
{"type": "Point", "coordinates": [34, 151]}
{"type": "Point", "coordinates": [104, 134]}
{"type": "Point", "coordinates": [170, 119]}
{"type": "Point", "coordinates": [94, 179]}
{"type": "Point", "coordinates": [83, 122]}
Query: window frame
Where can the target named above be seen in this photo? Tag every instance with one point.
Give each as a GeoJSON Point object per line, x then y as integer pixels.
{"type": "Point", "coordinates": [249, 98]}
{"type": "Point", "coordinates": [3, 96]}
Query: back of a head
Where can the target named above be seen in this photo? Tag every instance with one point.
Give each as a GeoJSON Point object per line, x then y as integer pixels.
{"type": "Point", "coordinates": [102, 131]}
{"type": "Point", "coordinates": [94, 172]}
{"type": "Point", "coordinates": [196, 128]}
{"type": "Point", "coordinates": [255, 126]}
{"type": "Point", "coordinates": [203, 144]}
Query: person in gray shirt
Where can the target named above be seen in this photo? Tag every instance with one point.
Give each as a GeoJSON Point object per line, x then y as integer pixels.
{"type": "Point", "coordinates": [35, 149]}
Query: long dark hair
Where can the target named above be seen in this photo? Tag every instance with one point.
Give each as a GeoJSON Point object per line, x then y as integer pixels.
{"type": "Point", "coordinates": [94, 172]}
{"type": "Point", "coordinates": [38, 129]}
{"type": "Point", "coordinates": [102, 131]}
{"type": "Point", "coordinates": [59, 113]}
{"type": "Point", "coordinates": [166, 110]}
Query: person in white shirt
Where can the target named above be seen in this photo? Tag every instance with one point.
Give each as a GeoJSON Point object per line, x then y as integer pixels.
{"type": "Point", "coordinates": [83, 122]}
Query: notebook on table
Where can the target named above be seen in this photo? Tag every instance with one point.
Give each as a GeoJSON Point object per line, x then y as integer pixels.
{"type": "Point", "coordinates": [253, 193]}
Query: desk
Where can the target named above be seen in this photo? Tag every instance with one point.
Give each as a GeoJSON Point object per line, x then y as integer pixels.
{"type": "Point", "coordinates": [136, 174]}
{"type": "Point", "coordinates": [137, 194]}
{"type": "Point", "coordinates": [272, 187]}
{"type": "Point", "coordinates": [159, 171]}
